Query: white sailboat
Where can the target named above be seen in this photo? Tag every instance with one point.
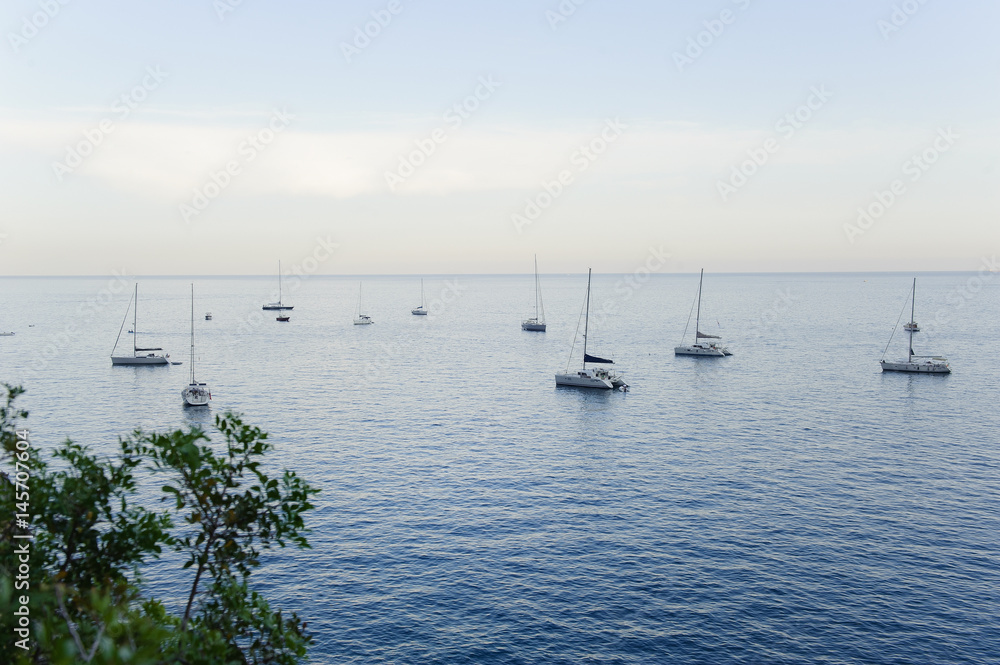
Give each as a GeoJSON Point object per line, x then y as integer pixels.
{"type": "Point", "coordinates": [420, 311]}
{"type": "Point", "coordinates": [700, 348]}
{"type": "Point", "coordinates": [537, 322]}
{"type": "Point", "coordinates": [590, 377]}
{"type": "Point", "coordinates": [278, 305]}
{"type": "Point", "coordinates": [913, 362]}
{"type": "Point", "coordinates": [196, 393]}
{"type": "Point", "coordinates": [140, 355]}
{"type": "Point", "coordinates": [362, 319]}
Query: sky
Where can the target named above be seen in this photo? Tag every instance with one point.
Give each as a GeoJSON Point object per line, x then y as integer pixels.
{"type": "Point", "coordinates": [215, 137]}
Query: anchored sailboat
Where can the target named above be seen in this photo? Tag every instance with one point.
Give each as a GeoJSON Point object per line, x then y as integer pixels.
{"type": "Point", "coordinates": [593, 377]}
{"type": "Point", "coordinates": [279, 304]}
{"type": "Point", "coordinates": [537, 322]}
{"type": "Point", "coordinates": [700, 348]}
{"type": "Point", "coordinates": [140, 355]}
{"type": "Point", "coordinates": [195, 394]}
{"type": "Point", "coordinates": [361, 319]}
{"type": "Point", "coordinates": [420, 311]}
{"type": "Point", "coordinates": [925, 364]}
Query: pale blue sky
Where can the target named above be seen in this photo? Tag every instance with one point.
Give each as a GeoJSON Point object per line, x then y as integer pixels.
{"type": "Point", "coordinates": [657, 184]}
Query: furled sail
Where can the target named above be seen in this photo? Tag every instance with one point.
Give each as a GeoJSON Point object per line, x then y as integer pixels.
{"type": "Point", "coordinates": [587, 358]}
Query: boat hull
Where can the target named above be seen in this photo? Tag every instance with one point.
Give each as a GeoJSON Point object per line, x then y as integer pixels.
{"type": "Point", "coordinates": [418, 312]}
{"type": "Point", "coordinates": [709, 351]}
{"type": "Point", "coordinates": [583, 380]}
{"type": "Point", "coordinates": [196, 395]}
{"type": "Point", "coordinates": [533, 326]}
{"type": "Point", "coordinates": [363, 321]}
{"type": "Point", "coordinates": [139, 360]}
{"type": "Point", "coordinates": [926, 367]}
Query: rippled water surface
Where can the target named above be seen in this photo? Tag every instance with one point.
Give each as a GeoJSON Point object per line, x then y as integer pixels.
{"type": "Point", "coordinates": [789, 504]}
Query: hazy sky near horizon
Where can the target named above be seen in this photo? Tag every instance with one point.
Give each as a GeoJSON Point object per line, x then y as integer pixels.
{"type": "Point", "coordinates": [423, 136]}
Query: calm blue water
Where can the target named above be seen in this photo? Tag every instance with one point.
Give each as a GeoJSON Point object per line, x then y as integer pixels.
{"type": "Point", "coordinates": [790, 504]}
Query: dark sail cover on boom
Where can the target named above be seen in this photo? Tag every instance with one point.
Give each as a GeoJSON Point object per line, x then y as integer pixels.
{"type": "Point", "coordinates": [587, 358]}
{"type": "Point", "coordinates": [702, 335]}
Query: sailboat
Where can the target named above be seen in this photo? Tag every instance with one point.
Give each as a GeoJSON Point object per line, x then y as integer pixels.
{"type": "Point", "coordinates": [593, 377]}
{"type": "Point", "coordinates": [279, 304]}
{"type": "Point", "coordinates": [537, 322]}
{"type": "Point", "coordinates": [700, 348]}
{"type": "Point", "coordinates": [140, 355]}
{"type": "Point", "coordinates": [362, 319]}
{"type": "Point", "coordinates": [195, 394]}
{"type": "Point", "coordinates": [924, 364]}
{"type": "Point", "coordinates": [420, 311]}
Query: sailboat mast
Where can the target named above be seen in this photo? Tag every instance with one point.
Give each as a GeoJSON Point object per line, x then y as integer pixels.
{"type": "Point", "coordinates": [192, 333]}
{"type": "Point", "coordinates": [279, 281]}
{"type": "Point", "coordinates": [421, 292]}
{"type": "Point", "coordinates": [135, 319]}
{"type": "Point", "coordinates": [536, 288]}
{"type": "Point", "coordinates": [697, 318]}
{"type": "Point", "coordinates": [913, 305]}
{"type": "Point", "coordinates": [586, 321]}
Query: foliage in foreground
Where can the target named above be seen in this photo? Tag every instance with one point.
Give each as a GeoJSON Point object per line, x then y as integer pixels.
{"type": "Point", "coordinates": [90, 538]}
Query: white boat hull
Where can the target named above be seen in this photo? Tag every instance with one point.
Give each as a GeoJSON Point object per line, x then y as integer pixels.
{"type": "Point", "coordinates": [702, 350]}
{"type": "Point", "coordinates": [363, 321]}
{"type": "Point", "coordinates": [196, 394]}
{"type": "Point", "coordinates": [140, 360]}
{"type": "Point", "coordinates": [933, 366]}
{"type": "Point", "coordinates": [419, 311]}
{"type": "Point", "coordinates": [533, 326]}
{"type": "Point", "coordinates": [583, 380]}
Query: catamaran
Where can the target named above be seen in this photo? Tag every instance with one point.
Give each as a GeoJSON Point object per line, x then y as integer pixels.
{"type": "Point", "coordinates": [279, 304]}
{"type": "Point", "coordinates": [700, 348]}
{"type": "Point", "coordinates": [140, 355]}
{"type": "Point", "coordinates": [590, 377]}
{"type": "Point", "coordinates": [537, 322]}
{"type": "Point", "coordinates": [196, 393]}
{"type": "Point", "coordinates": [922, 364]}
{"type": "Point", "coordinates": [419, 310]}
{"type": "Point", "coordinates": [361, 319]}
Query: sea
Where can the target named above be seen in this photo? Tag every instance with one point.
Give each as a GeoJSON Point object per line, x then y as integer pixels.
{"type": "Point", "coordinates": [790, 503]}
